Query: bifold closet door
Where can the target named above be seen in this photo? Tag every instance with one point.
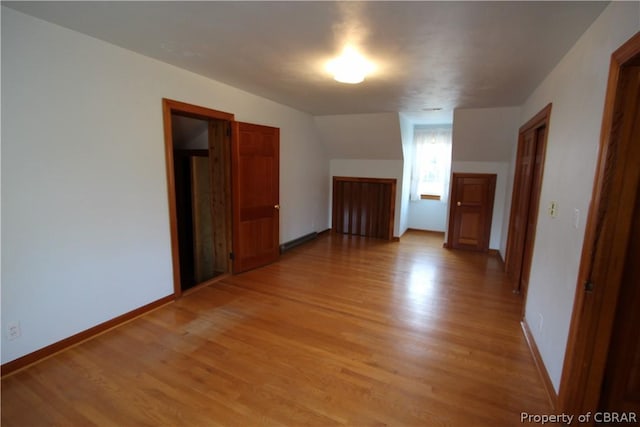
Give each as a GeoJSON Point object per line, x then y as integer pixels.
{"type": "Point", "coordinates": [364, 206]}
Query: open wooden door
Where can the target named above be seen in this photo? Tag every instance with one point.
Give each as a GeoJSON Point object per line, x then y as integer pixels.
{"type": "Point", "coordinates": [471, 211]}
{"type": "Point", "coordinates": [255, 171]}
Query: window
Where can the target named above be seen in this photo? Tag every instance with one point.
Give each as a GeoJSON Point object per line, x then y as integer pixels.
{"type": "Point", "coordinates": [431, 163]}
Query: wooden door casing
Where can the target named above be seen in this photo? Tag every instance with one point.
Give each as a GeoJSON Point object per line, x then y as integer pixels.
{"type": "Point", "coordinates": [471, 211]}
{"type": "Point", "coordinates": [256, 181]}
{"type": "Point", "coordinates": [364, 206]}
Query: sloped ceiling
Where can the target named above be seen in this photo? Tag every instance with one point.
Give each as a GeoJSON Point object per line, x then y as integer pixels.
{"type": "Point", "coordinates": [361, 136]}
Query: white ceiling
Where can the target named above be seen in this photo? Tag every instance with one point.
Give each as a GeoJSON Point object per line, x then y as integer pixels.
{"type": "Point", "coordinates": [429, 54]}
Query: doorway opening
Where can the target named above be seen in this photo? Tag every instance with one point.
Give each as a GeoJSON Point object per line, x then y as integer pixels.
{"type": "Point", "coordinates": [198, 152]}
{"type": "Point", "coordinates": [525, 200]}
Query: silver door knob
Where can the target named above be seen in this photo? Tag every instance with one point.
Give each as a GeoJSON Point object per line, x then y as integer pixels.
{"type": "Point", "coordinates": [277, 207]}
{"type": "Point", "coordinates": [459, 204]}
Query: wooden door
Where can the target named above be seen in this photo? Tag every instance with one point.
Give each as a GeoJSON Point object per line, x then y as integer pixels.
{"type": "Point", "coordinates": [471, 211]}
{"type": "Point", "coordinates": [220, 175]}
{"type": "Point", "coordinates": [364, 206]}
{"type": "Point", "coordinates": [520, 203]}
{"type": "Point", "coordinates": [621, 391]}
{"type": "Point", "coordinates": [255, 177]}
{"type": "Point", "coordinates": [203, 247]}
{"type": "Point", "coordinates": [525, 199]}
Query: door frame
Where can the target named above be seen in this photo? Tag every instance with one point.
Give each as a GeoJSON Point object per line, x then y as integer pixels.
{"type": "Point", "coordinates": [541, 119]}
{"type": "Point", "coordinates": [595, 303]}
{"type": "Point", "coordinates": [170, 107]}
{"type": "Point", "coordinates": [453, 206]}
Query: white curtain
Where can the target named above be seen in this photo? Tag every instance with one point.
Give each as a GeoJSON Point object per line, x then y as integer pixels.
{"type": "Point", "coordinates": [431, 169]}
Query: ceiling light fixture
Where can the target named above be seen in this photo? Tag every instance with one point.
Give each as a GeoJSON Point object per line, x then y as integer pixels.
{"type": "Point", "coordinates": [350, 67]}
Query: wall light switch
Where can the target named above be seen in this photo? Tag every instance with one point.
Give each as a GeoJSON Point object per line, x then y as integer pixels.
{"type": "Point", "coordinates": [553, 209]}
{"type": "Point", "coordinates": [576, 218]}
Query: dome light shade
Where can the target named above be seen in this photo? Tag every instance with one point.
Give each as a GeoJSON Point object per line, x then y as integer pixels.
{"type": "Point", "coordinates": [350, 67]}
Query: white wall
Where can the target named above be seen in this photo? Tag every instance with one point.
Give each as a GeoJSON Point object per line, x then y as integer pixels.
{"type": "Point", "coordinates": [85, 226]}
{"type": "Point", "coordinates": [482, 143]}
{"type": "Point", "coordinates": [428, 215]}
{"type": "Point", "coordinates": [366, 168]}
{"type": "Point", "coordinates": [576, 87]}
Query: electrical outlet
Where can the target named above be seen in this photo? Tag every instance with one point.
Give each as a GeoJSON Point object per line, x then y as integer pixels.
{"type": "Point", "coordinates": [553, 209]}
{"type": "Point", "coordinates": [13, 330]}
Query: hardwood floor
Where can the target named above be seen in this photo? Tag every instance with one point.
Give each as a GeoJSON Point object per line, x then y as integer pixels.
{"type": "Point", "coordinates": [341, 331]}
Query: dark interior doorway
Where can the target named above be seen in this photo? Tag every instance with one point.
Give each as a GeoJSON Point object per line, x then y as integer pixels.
{"type": "Point", "coordinates": [198, 148]}
{"type": "Point", "coordinates": [195, 213]}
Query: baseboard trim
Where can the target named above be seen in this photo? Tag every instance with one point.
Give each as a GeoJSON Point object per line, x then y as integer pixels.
{"type": "Point", "coordinates": [285, 247]}
{"type": "Point", "coordinates": [423, 230]}
{"type": "Point", "coordinates": [542, 370]}
{"type": "Point", "coordinates": [496, 253]}
{"type": "Point", "coordinates": [324, 232]}
{"type": "Point", "coordinates": [48, 351]}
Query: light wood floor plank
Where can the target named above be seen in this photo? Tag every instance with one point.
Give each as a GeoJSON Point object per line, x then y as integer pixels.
{"type": "Point", "coordinates": [342, 331]}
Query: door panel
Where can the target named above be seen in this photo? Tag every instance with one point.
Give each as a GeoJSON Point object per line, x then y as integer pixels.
{"type": "Point", "coordinates": [531, 218]}
{"type": "Point", "coordinates": [520, 202]}
{"type": "Point", "coordinates": [471, 211]}
{"type": "Point", "coordinates": [255, 171]}
{"type": "Point", "coordinates": [220, 171]}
